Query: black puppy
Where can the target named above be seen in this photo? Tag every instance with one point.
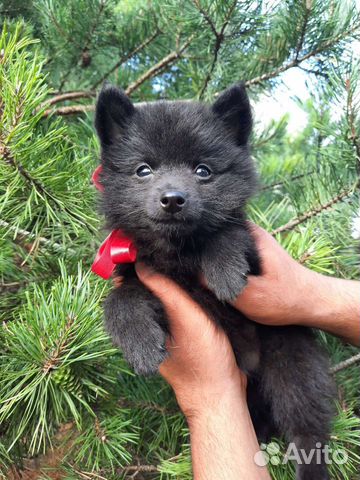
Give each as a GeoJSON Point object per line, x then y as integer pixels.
{"type": "Point", "coordinates": [176, 178]}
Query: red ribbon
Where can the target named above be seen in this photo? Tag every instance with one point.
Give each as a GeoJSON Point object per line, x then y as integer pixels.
{"type": "Point", "coordinates": [116, 248]}
{"type": "Point", "coordinates": [95, 178]}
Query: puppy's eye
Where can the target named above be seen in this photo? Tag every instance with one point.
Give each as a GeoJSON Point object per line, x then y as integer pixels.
{"type": "Point", "coordinates": [202, 171]}
{"type": "Point", "coordinates": [143, 171]}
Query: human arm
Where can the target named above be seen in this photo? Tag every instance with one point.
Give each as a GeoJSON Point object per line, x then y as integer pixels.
{"type": "Point", "coordinates": [288, 293]}
{"type": "Point", "coordinates": [209, 387]}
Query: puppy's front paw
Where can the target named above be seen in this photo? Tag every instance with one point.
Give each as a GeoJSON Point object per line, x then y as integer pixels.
{"type": "Point", "coordinates": [133, 324]}
{"type": "Point", "coordinates": [226, 285]}
{"type": "Point", "coordinates": [146, 352]}
{"type": "Point", "coordinates": [225, 267]}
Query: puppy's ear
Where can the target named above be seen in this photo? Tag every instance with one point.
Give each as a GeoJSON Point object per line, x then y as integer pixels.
{"type": "Point", "coordinates": [113, 112]}
{"type": "Point", "coordinates": [233, 108]}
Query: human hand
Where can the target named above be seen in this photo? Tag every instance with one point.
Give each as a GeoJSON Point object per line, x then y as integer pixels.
{"type": "Point", "coordinates": [287, 293]}
{"type": "Point", "coordinates": [209, 387]}
{"type": "Point", "coordinates": [281, 294]}
{"type": "Point", "coordinates": [201, 366]}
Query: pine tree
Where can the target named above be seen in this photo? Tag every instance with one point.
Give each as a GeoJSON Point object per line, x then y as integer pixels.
{"type": "Point", "coordinates": [68, 402]}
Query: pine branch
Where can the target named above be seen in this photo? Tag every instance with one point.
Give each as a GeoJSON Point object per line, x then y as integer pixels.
{"type": "Point", "coordinates": [87, 475]}
{"type": "Point", "coordinates": [87, 108]}
{"type": "Point", "coordinates": [70, 110]}
{"type": "Point", "coordinates": [315, 211]}
{"type": "Point", "coordinates": [136, 469]}
{"type": "Point", "coordinates": [11, 287]}
{"type": "Point", "coordinates": [346, 363]}
{"type": "Point", "coordinates": [67, 73]}
{"type": "Point", "coordinates": [126, 58]}
{"type": "Point", "coordinates": [100, 431]}
{"type": "Point", "coordinates": [87, 44]}
{"type": "Point", "coordinates": [39, 187]}
{"type": "Point", "coordinates": [20, 234]}
{"type": "Point", "coordinates": [169, 59]}
{"type": "Point", "coordinates": [54, 357]}
{"type": "Point", "coordinates": [290, 179]}
{"type": "Point", "coordinates": [141, 468]}
{"type": "Point", "coordinates": [300, 44]}
{"type": "Point", "coordinates": [158, 67]}
{"type": "Point", "coordinates": [264, 141]}
{"type": "Point", "coordinates": [206, 17]}
{"type": "Point", "coordinates": [152, 72]}
{"type": "Point", "coordinates": [10, 160]}
{"type": "Point", "coordinates": [219, 38]}
{"type": "Point", "coordinates": [62, 33]}
{"type": "Point", "coordinates": [314, 72]}
{"type": "Point", "coordinates": [62, 97]}
{"type": "Point", "coordinates": [94, 26]}
{"type": "Point", "coordinates": [304, 257]}
{"type": "Point", "coordinates": [350, 112]}
{"type": "Point", "coordinates": [296, 61]}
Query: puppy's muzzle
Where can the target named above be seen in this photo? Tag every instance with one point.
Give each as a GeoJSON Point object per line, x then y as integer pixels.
{"type": "Point", "coordinates": [172, 201]}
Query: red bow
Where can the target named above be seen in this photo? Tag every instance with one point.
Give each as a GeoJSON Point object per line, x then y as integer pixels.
{"type": "Point", "coordinates": [95, 178]}
{"type": "Point", "coordinates": [116, 248]}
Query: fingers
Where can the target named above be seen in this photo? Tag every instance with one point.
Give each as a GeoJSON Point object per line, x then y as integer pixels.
{"type": "Point", "coordinates": [185, 316]}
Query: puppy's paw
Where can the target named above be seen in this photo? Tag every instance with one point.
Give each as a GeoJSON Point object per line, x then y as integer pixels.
{"type": "Point", "coordinates": [145, 354]}
{"type": "Point", "coordinates": [225, 270]}
{"type": "Point", "coordinates": [133, 319]}
{"type": "Point", "coordinates": [226, 285]}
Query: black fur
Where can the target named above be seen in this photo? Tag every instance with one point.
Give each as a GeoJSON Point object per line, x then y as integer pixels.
{"type": "Point", "coordinates": [290, 388]}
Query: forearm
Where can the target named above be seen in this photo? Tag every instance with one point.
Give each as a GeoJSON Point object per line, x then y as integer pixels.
{"type": "Point", "coordinates": [334, 307]}
{"type": "Point", "coordinates": [223, 442]}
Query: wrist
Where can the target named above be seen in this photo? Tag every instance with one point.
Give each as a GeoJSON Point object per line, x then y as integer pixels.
{"type": "Point", "coordinates": [305, 301]}
{"type": "Point", "coordinates": [223, 440]}
{"type": "Point", "coordinates": [294, 304]}
{"type": "Point", "coordinates": [315, 298]}
{"type": "Point", "coordinates": [200, 404]}
{"type": "Point", "coordinates": [334, 306]}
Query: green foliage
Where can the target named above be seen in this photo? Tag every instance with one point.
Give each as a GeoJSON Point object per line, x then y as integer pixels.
{"type": "Point", "coordinates": [28, 198]}
{"type": "Point", "coordinates": [55, 359]}
{"type": "Point", "coordinates": [57, 366]}
{"type": "Point", "coordinates": [178, 467]}
{"type": "Point", "coordinates": [105, 443]}
{"type": "Point", "coordinates": [5, 461]}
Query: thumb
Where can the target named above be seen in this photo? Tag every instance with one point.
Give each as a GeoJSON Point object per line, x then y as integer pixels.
{"type": "Point", "coordinates": [184, 314]}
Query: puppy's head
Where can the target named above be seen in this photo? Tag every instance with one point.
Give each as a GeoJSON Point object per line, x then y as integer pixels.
{"type": "Point", "coordinates": [174, 168]}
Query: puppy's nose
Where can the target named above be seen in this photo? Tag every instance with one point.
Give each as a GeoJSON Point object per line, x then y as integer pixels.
{"type": "Point", "coordinates": [172, 202]}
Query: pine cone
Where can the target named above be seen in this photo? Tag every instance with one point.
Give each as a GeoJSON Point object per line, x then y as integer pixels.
{"type": "Point", "coordinates": [64, 377]}
{"type": "Point", "coordinates": [85, 59]}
